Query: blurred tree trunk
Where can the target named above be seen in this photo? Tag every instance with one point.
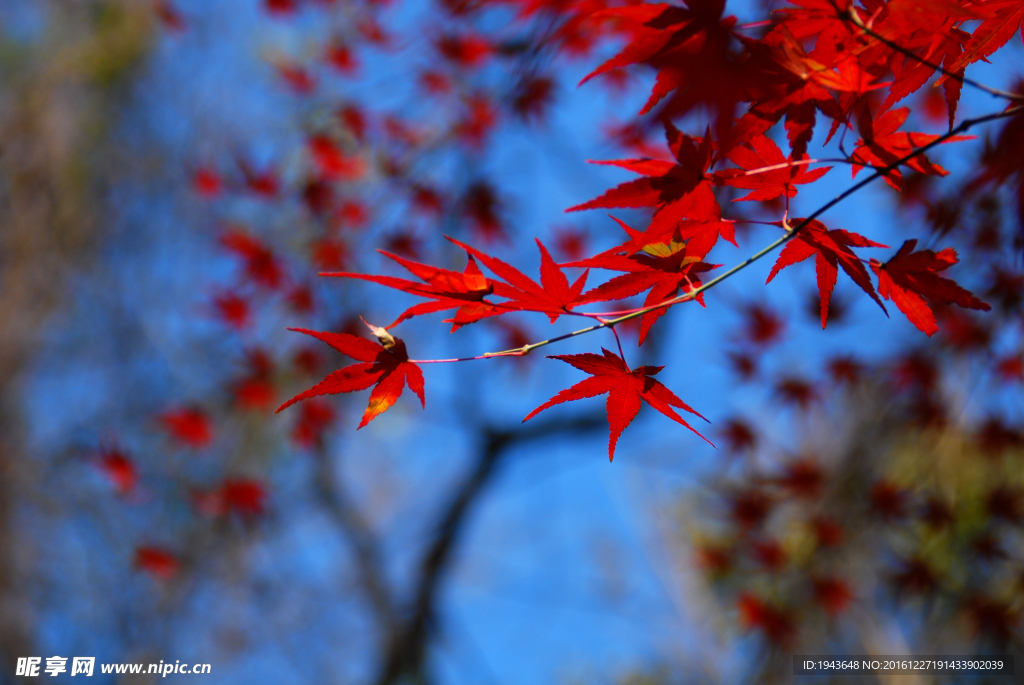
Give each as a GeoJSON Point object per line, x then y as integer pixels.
{"type": "Point", "coordinates": [59, 97]}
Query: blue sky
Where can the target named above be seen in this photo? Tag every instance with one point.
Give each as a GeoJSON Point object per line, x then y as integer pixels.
{"type": "Point", "coordinates": [568, 570]}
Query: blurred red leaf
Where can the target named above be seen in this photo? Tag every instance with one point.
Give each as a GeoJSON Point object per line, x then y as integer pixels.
{"type": "Point", "coordinates": [157, 562]}
{"type": "Point", "coordinates": [627, 389]}
{"type": "Point", "coordinates": [188, 425]}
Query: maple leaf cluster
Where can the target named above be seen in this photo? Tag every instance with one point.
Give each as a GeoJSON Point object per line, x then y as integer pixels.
{"type": "Point", "coordinates": [848, 62]}
{"type": "Point", "coordinates": [725, 141]}
{"type": "Point", "coordinates": [778, 544]}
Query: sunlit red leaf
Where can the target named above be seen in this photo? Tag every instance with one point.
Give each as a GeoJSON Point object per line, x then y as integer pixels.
{"type": "Point", "coordinates": [910, 276]}
{"type": "Point", "coordinates": [627, 389]}
{"type": "Point", "coordinates": [385, 366]}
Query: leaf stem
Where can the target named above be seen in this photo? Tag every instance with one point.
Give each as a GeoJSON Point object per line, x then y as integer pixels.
{"type": "Point", "coordinates": [851, 15]}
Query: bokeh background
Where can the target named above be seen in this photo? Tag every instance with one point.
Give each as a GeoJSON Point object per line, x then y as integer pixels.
{"type": "Point", "coordinates": [163, 213]}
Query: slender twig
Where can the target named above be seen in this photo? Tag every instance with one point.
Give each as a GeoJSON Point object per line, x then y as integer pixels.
{"type": "Point", "coordinates": [851, 15]}
{"type": "Point", "coordinates": [965, 125]}
{"type": "Point", "coordinates": [405, 655]}
{"type": "Point", "coordinates": [365, 546]}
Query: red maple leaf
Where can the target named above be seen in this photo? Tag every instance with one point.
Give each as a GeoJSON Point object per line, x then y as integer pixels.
{"type": "Point", "coordinates": [261, 266]}
{"type": "Point", "coordinates": [828, 533]}
{"type": "Point", "coordinates": [480, 204]}
{"type": "Point", "coordinates": [700, 237]}
{"type": "Point", "coordinates": [832, 595]}
{"type": "Point", "coordinates": [467, 50]}
{"type": "Point", "coordinates": [910, 276]}
{"type": "Point", "coordinates": [680, 189]}
{"type": "Point", "coordinates": [739, 434]}
{"type": "Point", "coordinates": [832, 250]}
{"type": "Point", "coordinates": [777, 624]}
{"type": "Point", "coordinates": [264, 183]}
{"type": "Point", "coordinates": [794, 85]}
{"type": "Point", "coordinates": [340, 56]}
{"type": "Point", "coordinates": [1003, 20]}
{"type": "Point", "coordinates": [692, 50]}
{"type": "Point", "coordinates": [625, 388]}
{"type": "Point", "coordinates": [464, 292]}
{"type": "Point", "coordinates": [297, 78]}
{"type": "Point", "coordinates": [246, 497]}
{"type": "Point", "coordinates": [280, 7]}
{"type": "Point", "coordinates": [157, 562]}
{"type": "Point", "coordinates": [169, 16]}
{"type": "Point", "coordinates": [315, 417]}
{"type": "Point", "coordinates": [881, 145]}
{"type": "Point", "coordinates": [662, 268]}
{"type": "Point", "coordinates": [385, 366]}
{"type": "Point", "coordinates": [765, 172]}
{"type": "Point", "coordinates": [207, 182]}
{"type": "Point", "coordinates": [189, 425]}
{"type": "Point", "coordinates": [552, 296]}
{"type": "Point", "coordinates": [233, 310]}
{"type": "Point", "coordinates": [333, 163]}
{"type": "Point", "coordinates": [942, 47]}
{"type": "Point", "coordinates": [119, 469]}
{"type": "Point", "coordinates": [814, 17]}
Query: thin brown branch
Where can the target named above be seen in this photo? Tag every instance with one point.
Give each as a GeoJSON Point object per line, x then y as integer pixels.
{"type": "Point", "coordinates": [965, 125]}
{"type": "Point", "coordinates": [406, 653]}
{"type": "Point", "coordinates": [851, 16]}
{"type": "Point", "coordinates": [365, 547]}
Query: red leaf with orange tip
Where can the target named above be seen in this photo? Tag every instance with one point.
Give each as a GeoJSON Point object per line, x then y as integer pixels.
{"type": "Point", "coordinates": [910, 276]}
{"type": "Point", "coordinates": [626, 389]}
{"type": "Point", "coordinates": [553, 296]}
{"type": "Point", "coordinates": [464, 292]}
{"type": "Point", "coordinates": [831, 249]}
{"type": "Point", "coordinates": [385, 366]}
